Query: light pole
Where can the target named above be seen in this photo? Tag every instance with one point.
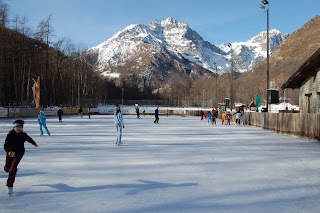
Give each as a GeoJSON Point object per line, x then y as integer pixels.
{"type": "Point", "coordinates": [202, 98]}
{"type": "Point", "coordinates": [231, 73]}
{"type": "Point", "coordinates": [265, 7]}
{"type": "Point", "coordinates": [215, 64]}
{"type": "Point", "coordinates": [122, 96]}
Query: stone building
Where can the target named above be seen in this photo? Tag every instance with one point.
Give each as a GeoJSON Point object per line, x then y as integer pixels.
{"type": "Point", "coordinates": [307, 79]}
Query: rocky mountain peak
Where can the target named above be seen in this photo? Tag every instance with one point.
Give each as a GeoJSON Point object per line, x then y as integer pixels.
{"type": "Point", "coordinates": [181, 47]}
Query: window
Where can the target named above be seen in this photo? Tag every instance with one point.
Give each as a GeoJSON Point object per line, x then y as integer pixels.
{"type": "Point", "coordinates": [308, 102]}
{"type": "Point", "coordinates": [318, 103]}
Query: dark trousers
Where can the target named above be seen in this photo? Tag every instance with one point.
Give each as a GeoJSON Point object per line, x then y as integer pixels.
{"type": "Point", "coordinates": [60, 118]}
{"type": "Point", "coordinates": [156, 120]}
{"type": "Point", "coordinates": [11, 168]}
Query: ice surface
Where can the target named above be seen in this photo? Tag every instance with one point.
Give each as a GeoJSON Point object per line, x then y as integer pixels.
{"type": "Point", "coordinates": [179, 165]}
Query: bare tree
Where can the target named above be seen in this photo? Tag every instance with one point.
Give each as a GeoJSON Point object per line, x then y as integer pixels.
{"type": "Point", "coordinates": [43, 34]}
{"type": "Point", "coordinates": [4, 14]}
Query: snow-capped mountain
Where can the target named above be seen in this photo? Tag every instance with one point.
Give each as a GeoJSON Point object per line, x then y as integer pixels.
{"type": "Point", "coordinates": [168, 45]}
{"type": "Point", "coordinates": [249, 53]}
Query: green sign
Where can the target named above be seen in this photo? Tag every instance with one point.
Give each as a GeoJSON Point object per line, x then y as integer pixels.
{"type": "Point", "coordinates": [258, 103]}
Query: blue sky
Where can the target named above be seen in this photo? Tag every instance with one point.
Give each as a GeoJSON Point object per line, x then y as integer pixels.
{"type": "Point", "coordinates": [91, 22]}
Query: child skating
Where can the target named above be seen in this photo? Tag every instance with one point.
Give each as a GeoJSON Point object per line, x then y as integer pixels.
{"type": "Point", "coordinates": [14, 147]}
{"type": "Point", "coordinates": [42, 120]}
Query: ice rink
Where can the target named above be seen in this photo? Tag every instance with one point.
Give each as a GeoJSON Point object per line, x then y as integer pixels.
{"type": "Point", "coordinates": [179, 165]}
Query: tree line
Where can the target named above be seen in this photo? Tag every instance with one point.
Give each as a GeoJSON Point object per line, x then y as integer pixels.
{"type": "Point", "coordinates": [67, 73]}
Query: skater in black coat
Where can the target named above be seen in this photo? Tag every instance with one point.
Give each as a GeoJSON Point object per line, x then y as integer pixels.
{"type": "Point", "coordinates": [156, 115]}
{"type": "Point", "coordinates": [60, 113]}
{"type": "Point", "coordinates": [138, 112]}
{"type": "Point", "coordinates": [14, 147]}
{"type": "Point", "coordinates": [80, 111]}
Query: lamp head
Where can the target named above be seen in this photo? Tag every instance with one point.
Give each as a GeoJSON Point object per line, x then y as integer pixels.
{"type": "Point", "coordinates": [262, 6]}
{"type": "Point", "coordinates": [265, 2]}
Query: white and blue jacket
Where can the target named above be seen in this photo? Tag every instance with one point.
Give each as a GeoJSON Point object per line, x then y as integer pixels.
{"type": "Point", "coordinates": [118, 119]}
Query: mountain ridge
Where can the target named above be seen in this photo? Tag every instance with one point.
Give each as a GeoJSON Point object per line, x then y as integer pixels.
{"type": "Point", "coordinates": [188, 51]}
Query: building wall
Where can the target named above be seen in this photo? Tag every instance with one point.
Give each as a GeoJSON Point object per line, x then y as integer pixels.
{"type": "Point", "coordinates": [312, 88]}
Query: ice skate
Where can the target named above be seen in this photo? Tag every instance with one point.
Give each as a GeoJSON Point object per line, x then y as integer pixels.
{"type": "Point", "coordinates": [10, 190]}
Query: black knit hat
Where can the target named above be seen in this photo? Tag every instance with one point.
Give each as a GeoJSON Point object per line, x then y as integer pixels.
{"type": "Point", "coordinates": [18, 123]}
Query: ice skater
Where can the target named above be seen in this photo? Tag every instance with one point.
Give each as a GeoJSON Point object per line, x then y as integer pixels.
{"type": "Point", "coordinates": [228, 118]}
{"type": "Point", "coordinates": [80, 111]}
{"type": "Point", "coordinates": [223, 118]}
{"type": "Point", "coordinates": [209, 118]}
{"type": "Point", "coordinates": [214, 116]}
{"type": "Point", "coordinates": [156, 115]}
{"type": "Point", "coordinates": [118, 121]}
{"type": "Point", "coordinates": [60, 113]}
{"type": "Point", "coordinates": [201, 115]}
{"type": "Point", "coordinates": [137, 111]}
{"type": "Point", "coordinates": [14, 147]}
{"type": "Point", "coordinates": [238, 116]}
{"type": "Point", "coordinates": [42, 120]}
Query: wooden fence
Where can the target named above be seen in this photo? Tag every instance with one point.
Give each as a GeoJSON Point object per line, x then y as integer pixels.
{"type": "Point", "coordinates": [301, 124]}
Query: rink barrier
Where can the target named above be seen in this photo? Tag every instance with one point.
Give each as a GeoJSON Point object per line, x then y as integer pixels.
{"type": "Point", "coordinates": [301, 124]}
{"type": "Point", "coordinates": [34, 112]}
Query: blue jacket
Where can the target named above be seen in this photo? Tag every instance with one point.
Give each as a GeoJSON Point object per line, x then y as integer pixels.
{"type": "Point", "coordinates": [42, 118]}
{"type": "Point", "coordinates": [209, 116]}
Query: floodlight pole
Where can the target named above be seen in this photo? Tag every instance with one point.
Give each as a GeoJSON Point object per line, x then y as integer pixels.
{"type": "Point", "coordinates": [265, 2]}
{"type": "Point", "coordinates": [231, 73]}
{"type": "Point", "coordinates": [268, 61]}
{"type": "Point", "coordinates": [215, 64]}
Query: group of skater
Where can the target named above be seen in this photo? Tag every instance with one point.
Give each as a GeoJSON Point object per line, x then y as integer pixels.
{"type": "Point", "coordinates": [14, 142]}
{"type": "Point", "coordinates": [211, 116]}
{"type": "Point", "coordinates": [226, 116]}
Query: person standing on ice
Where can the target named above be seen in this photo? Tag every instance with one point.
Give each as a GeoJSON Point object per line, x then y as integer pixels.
{"type": "Point", "coordinates": [14, 147]}
{"type": "Point", "coordinates": [201, 115]}
{"type": "Point", "coordinates": [80, 110]}
{"type": "Point", "coordinates": [214, 116]}
{"type": "Point", "coordinates": [118, 121]}
{"type": "Point", "coordinates": [60, 113]}
{"type": "Point", "coordinates": [223, 118]}
{"type": "Point", "coordinates": [137, 111]}
{"type": "Point", "coordinates": [156, 115]}
{"type": "Point", "coordinates": [209, 118]}
{"type": "Point", "coordinates": [228, 118]}
{"type": "Point", "coordinates": [42, 120]}
{"type": "Point", "coordinates": [238, 116]}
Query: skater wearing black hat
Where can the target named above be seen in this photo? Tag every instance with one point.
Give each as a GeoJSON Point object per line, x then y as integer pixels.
{"type": "Point", "coordinates": [14, 147]}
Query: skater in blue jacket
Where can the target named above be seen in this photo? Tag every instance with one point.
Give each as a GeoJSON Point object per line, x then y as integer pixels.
{"type": "Point", "coordinates": [209, 118]}
{"type": "Point", "coordinates": [42, 122]}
